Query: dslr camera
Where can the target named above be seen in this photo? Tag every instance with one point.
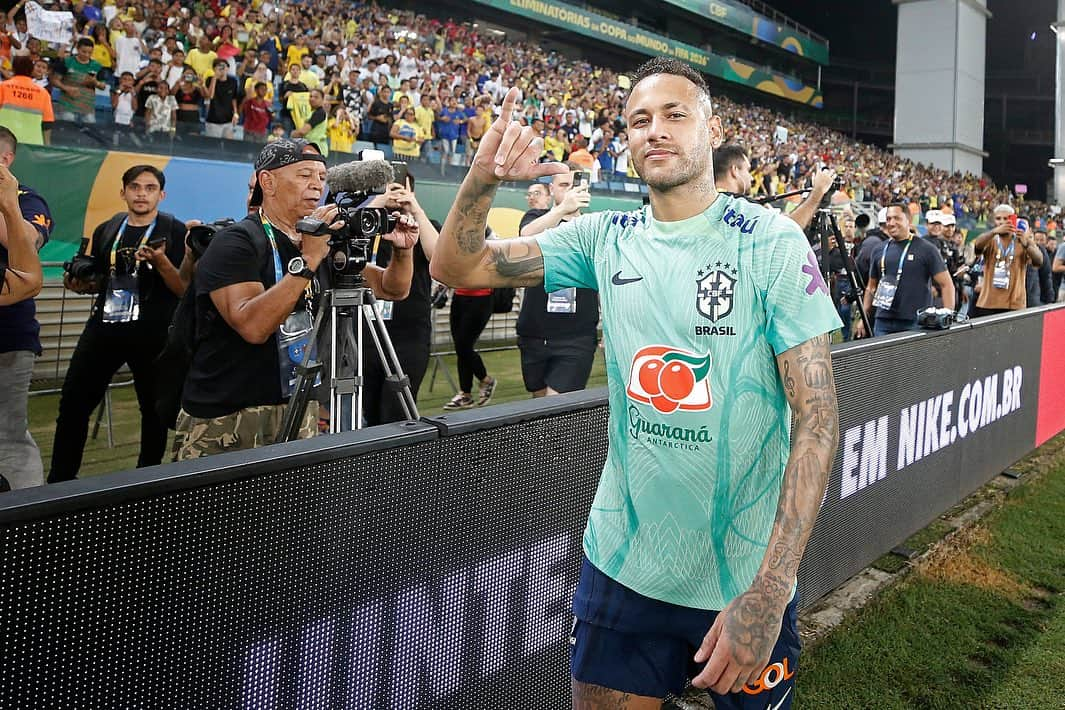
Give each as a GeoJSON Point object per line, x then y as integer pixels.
{"type": "Point", "coordinates": [82, 266]}
{"type": "Point", "coordinates": [933, 318]}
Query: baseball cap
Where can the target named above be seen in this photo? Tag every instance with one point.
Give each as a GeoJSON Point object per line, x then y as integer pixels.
{"type": "Point", "coordinates": [881, 216]}
{"type": "Point", "coordinates": [279, 154]}
{"type": "Point", "coordinates": [948, 219]}
{"type": "Point", "coordinates": [933, 217]}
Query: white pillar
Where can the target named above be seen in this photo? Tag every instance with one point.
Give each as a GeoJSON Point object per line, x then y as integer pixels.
{"type": "Point", "coordinates": [939, 83]}
{"type": "Point", "coordinates": [1058, 194]}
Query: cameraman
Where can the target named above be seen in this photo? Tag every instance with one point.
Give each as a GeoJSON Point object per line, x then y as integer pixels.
{"type": "Point", "coordinates": [253, 287]}
{"type": "Point", "coordinates": [408, 321]}
{"type": "Point", "coordinates": [25, 227]}
{"type": "Point", "coordinates": [131, 262]}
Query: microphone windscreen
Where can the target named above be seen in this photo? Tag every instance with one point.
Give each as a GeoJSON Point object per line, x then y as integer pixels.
{"type": "Point", "coordinates": [360, 176]}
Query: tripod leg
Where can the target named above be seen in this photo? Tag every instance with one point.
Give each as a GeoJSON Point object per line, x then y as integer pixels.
{"type": "Point", "coordinates": [390, 362]}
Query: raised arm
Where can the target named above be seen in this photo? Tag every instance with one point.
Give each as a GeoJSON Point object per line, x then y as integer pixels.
{"type": "Point", "coordinates": [739, 644]}
{"type": "Point", "coordinates": [507, 151]}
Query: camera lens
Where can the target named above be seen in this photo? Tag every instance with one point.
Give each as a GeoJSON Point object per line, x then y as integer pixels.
{"type": "Point", "coordinates": [369, 222]}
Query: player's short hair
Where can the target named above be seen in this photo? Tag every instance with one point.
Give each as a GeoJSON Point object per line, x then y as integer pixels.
{"type": "Point", "coordinates": [725, 157]}
{"type": "Point", "coordinates": [665, 65]}
{"type": "Point", "coordinates": [901, 206]}
{"type": "Point", "coordinates": [8, 139]}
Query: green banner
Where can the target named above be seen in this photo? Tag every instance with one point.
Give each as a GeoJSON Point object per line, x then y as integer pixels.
{"type": "Point", "coordinates": [602, 28]}
{"type": "Point", "coordinates": [743, 19]}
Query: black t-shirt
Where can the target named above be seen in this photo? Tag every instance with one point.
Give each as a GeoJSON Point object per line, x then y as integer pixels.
{"type": "Point", "coordinates": [318, 116]}
{"type": "Point", "coordinates": [19, 329]}
{"type": "Point", "coordinates": [227, 372]}
{"type": "Point", "coordinates": [379, 131]}
{"type": "Point", "coordinates": [157, 301]}
{"type": "Point", "coordinates": [914, 291]}
{"type": "Point", "coordinates": [220, 109]}
{"type": "Point", "coordinates": [535, 322]}
{"type": "Point", "coordinates": [412, 317]}
{"type": "Point", "coordinates": [147, 90]}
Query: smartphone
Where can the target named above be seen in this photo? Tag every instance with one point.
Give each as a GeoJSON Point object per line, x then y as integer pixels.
{"type": "Point", "coordinates": [156, 241]}
{"type": "Point", "coordinates": [578, 178]}
{"type": "Point", "coordinates": [399, 170]}
{"type": "Point", "coordinates": [1022, 225]}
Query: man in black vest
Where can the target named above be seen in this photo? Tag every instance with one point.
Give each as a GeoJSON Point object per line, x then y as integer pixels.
{"type": "Point", "coordinates": [557, 331]}
{"type": "Point", "coordinates": [134, 260]}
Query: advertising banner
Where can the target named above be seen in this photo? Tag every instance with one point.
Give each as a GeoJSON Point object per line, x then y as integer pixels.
{"type": "Point", "coordinates": [741, 18]}
{"type": "Point", "coordinates": [599, 27]}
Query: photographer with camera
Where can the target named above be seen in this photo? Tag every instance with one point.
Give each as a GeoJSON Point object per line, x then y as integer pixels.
{"type": "Point", "coordinates": [901, 278]}
{"type": "Point", "coordinates": [254, 285]}
{"type": "Point", "coordinates": [24, 228]}
{"type": "Point", "coordinates": [1007, 249]}
{"type": "Point", "coordinates": [131, 262]}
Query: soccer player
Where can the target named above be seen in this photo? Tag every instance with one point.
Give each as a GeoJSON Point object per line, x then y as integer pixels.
{"type": "Point", "coordinates": [716, 324]}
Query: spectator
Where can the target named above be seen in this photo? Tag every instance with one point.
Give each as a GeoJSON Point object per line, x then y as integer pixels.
{"type": "Point", "coordinates": [102, 52]}
{"type": "Point", "coordinates": [190, 96]}
{"type": "Point", "coordinates": [25, 225]}
{"type": "Point", "coordinates": [128, 49]}
{"type": "Point", "coordinates": [25, 107]}
{"type": "Point", "coordinates": [407, 138]}
{"type": "Point", "coordinates": [342, 131]}
{"type": "Point", "coordinates": [579, 154]}
{"type": "Point", "coordinates": [381, 116]}
{"type": "Point", "coordinates": [202, 58]}
{"type": "Point", "coordinates": [174, 71]}
{"type": "Point", "coordinates": [222, 110]}
{"type": "Point", "coordinates": [77, 80]}
{"type": "Point", "coordinates": [124, 101]}
{"type": "Point", "coordinates": [257, 113]}
{"type": "Point", "coordinates": [1039, 281]}
{"type": "Point", "coordinates": [161, 111]}
{"type": "Point", "coordinates": [538, 197]}
{"type": "Point", "coordinates": [290, 87]}
{"type": "Point", "coordinates": [146, 86]}
{"type": "Point", "coordinates": [316, 128]}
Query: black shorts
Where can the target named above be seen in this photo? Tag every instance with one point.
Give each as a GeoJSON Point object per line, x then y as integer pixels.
{"type": "Point", "coordinates": [563, 364]}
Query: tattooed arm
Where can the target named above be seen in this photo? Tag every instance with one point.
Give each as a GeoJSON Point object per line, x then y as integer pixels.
{"type": "Point", "coordinates": [744, 633]}
{"type": "Point", "coordinates": [507, 151]}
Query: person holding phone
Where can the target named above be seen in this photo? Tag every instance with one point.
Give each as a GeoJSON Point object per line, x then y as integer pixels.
{"type": "Point", "coordinates": [557, 332]}
{"type": "Point", "coordinates": [1007, 248]}
{"type": "Point", "coordinates": [133, 263]}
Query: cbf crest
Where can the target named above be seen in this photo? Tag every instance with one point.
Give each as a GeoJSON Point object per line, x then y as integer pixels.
{"type": "Point", "coordinates": [715, 291]}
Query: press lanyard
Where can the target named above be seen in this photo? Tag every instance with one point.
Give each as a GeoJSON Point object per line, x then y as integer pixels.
{"type": "Point", "coordinates": [902, 260]}
{"type": "Point", "coordinates": [1007, 255]}
{"type": "Point", "coordinates": [122, 231]}
{"type": "Point", "coordinates": [376, 245]}
{"type": "Point", "coordinates": [269, 229]}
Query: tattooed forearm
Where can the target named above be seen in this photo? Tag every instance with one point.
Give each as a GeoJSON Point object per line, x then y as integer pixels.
{"type": "Point", "coordinates": [471, 209]}
{"type": "Point", "coordinates": [518, 262]}
{"type": "Point", "coordinates": [806, 373]}
{"type": "Point", "coordinates": [595, 697]}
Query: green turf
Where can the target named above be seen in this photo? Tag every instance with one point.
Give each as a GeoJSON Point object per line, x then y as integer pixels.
{"type": "Point", "coordinates": [101, 458]}
{"type": "Point", "coordinates": [985, 629]}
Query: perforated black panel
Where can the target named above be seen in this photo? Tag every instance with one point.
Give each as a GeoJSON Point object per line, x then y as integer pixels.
{"type": "Point", "coordinates": [398, 579]}
{"type": "Point", "coordinates": [436, 574]}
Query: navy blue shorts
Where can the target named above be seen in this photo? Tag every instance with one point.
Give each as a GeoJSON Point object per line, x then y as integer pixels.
{"type": "Point", "coordinates": [628, 642]}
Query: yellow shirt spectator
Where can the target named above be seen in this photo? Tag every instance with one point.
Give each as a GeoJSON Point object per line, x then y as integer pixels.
{"type": "Point", "coordinates": [423, 116]}
{"type": "Point", "coordinates": [202, 62]}
{"type": "Point", "coordinates": [405, 134]}
{"type": "Point", "coordinates": [295, 54]}
{"type": "Point", "coordinates": [341, 135]}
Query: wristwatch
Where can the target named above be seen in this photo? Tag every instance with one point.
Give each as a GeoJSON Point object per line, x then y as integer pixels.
{"type": "Point", "coordinates": [298, 267]}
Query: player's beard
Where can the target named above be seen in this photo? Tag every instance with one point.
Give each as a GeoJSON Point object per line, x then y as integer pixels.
{"type": "Point", "coordinates": [692, 164]}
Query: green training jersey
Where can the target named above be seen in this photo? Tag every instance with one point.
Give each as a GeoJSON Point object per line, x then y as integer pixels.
{"type": "Point", "coordinates": [694, 314]}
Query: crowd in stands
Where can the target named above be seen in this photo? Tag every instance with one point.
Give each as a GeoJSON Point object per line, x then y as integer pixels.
{"type": "Point", "coordinates": [421, 88]}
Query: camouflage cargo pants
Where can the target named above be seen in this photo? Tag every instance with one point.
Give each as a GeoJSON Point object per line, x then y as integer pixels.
{"type": "Point", "coordinates": [247, 428]}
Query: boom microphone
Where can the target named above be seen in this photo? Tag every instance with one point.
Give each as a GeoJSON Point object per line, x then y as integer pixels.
{"type": "Point", "coordinates": [360, 176]}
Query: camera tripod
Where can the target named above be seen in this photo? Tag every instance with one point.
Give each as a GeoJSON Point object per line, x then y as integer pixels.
{"type": "Point", "coordinates": [343, 312]}
{"type": "Point", "coordinates": [822, 228]}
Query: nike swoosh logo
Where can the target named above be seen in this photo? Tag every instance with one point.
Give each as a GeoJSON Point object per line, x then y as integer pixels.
{"type": "Point", "coordinates": [618, 281]}
{"type": "Point", "coordinates": [785, 697]}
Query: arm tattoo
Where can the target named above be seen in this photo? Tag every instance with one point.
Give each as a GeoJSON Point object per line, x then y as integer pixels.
{"type": "Point", "coordinates": [517, 261]}
{"type": "Point", "coordinates": [472, 206]}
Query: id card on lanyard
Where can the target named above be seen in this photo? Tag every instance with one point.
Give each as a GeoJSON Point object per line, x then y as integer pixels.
{"type": "Point", "coordinates": [383, 306]}
{"type": "Point", "coordinates": [885, 291]}
{"type": "Point", "coordinates": [293, 336]}
{"type": "Point", "coordinates": [1003, 261]}
{"type": "Point", "coordinates": [122, 302]}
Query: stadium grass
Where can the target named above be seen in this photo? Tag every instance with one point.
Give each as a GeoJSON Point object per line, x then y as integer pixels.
{"type": "Point", "coordinates": [980, 623]}
{"type": "Point", "coordinates": [99, 458]}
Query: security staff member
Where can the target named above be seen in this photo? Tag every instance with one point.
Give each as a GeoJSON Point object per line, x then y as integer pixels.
{"type": "Point", "coordinates": [135, 258]}
{"type": "Point", "coordinates": [26, 222]}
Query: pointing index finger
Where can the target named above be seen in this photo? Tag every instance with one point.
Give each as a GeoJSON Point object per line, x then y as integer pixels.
{"type": "Point", "coordinates": [508, 105]}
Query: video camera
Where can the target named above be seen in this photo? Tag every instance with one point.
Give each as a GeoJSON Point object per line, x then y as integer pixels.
{"type": "Point", "coordinates": [933, 318]}
{"type": "Point", "coordinates": [354, 184]}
